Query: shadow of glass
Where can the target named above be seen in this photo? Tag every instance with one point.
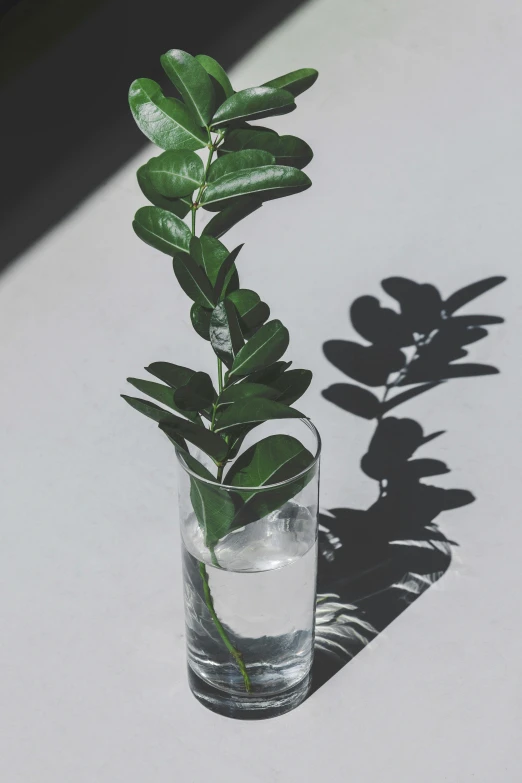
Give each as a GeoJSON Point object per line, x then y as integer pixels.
{"type": "Point", "coordinates": [374, 562]}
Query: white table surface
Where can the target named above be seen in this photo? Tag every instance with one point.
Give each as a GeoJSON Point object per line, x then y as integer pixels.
{"type": "Point", "coordinates": [416, 123]}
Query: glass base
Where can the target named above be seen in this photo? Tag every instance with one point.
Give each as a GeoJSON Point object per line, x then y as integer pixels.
{"type": "Point", "coordinates": [248, 707]}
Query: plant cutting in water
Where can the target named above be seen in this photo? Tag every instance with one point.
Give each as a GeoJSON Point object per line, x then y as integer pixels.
{"type": "Point", "coordinates": [243, 166]}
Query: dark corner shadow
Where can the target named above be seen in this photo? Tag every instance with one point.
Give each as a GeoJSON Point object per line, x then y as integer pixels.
{"type": "Point", "coordinates": [65, 71]}
{"type": "Point", "coordinates": [374, 562]}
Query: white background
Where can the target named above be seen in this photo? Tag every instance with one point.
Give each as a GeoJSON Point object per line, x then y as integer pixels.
{"type": "Point", "coordinates": [416, 123]}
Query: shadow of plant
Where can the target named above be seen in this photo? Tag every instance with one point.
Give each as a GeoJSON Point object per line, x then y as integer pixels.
{"type": "Point", "coordinates": [374, 562]}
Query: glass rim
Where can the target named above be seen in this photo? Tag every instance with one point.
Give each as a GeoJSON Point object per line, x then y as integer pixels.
{"type": "Point", "coordinates": [267, 487]}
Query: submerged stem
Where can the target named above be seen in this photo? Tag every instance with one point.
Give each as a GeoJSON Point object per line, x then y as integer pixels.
{"type": "Point", "coordinates": [236, 654]}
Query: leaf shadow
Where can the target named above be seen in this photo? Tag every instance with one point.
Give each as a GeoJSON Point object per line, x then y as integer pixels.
{"type": "Point", "coordinates": [374, 562]}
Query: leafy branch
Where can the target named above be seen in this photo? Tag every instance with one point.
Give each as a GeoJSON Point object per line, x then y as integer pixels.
{"type": "Point", "coordinates": [245, 166]}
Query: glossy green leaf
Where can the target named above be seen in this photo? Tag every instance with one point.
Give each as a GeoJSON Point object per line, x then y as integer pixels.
{"type": "Point", "coordinates": [266, 182]}
{"type": "Point", "coordinates": [177, 206]}
{"type": "Point", "coordinates": [196, 466]}
{"type": "Point", "coordinates": [287, 150]}
{"type": "Point", "coordinates": [252, 311]}
{"type": "Point", "coordinates": [268, 374]}
{"type": "Point", "coordinates": [247, 137]}
{"type": "Point", "coordinates": [241, 391]}
{"type": "Point", "coordinates": [161, 393]}
{"type": "Point", "coordinates": [215, 509]}
{"type": "Point", "coordinates": [174, 375]}
{"type": "Point", "coordinates": [225, 280]}
{"type": "Point", "coordinates": [271, 460]}
{"type": "Point", "coordinates": [165, 121]}
{"type": "Point", "coordinates": [253, 103]}
{"type": "Point", "coordinates": [295, 82]}
{"type": "Point", "coordinates": [274, 459]}
{"type": "Point", "coordinates": [198, 394]}
{"type": "Point", "coordinates": [151, 410]}
{"type": "Point", "coordinates": [291, 385]}
{"type": "Point", "coordinates": [225, 333]}
{"type": "Point", "coordinates": [192, 81]}
{"type": "Point", "coordinates": [222, 86]}
{"type": "Point", "coordinates": [292, 151]}
{"type": "Point", "coordinates": [162, 230]}
{"type": "Point", "coordinates": [265, 347]}
{"type": "Point", "coordinates": [179, 443]}
{"type": "Point", "coordinates": [210, 254]}
{"type": "Point", "coordinates": [254, 410]}
{"type": "Point", "coordinates": [175, 173]}
{"type": "Point", "coordinates": [200, 318]}
{"type": "Point", "coordinates": [203, 439]}
{"type": "Point", "coordinates": [229, 216]}
{"type": "Point", "coordinates": [239, 161]}
{"type": "Point", "coordinates": [193, 280]}
{"type": "Point", "coordinates": [236, 438]}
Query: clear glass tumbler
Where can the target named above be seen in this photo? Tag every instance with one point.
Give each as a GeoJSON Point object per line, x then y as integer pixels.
{"type": "Point", "coordinates": [250, 596]}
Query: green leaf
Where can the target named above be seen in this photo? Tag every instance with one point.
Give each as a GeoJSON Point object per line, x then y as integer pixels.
{"type": "Point", "coordinates": [246, 138]}
{"type": "Point", "coordinates": [267, 182]}
{"type": "Point", "coordinates": [165, 121]}
{"type": "Point", "coordinates": [198, 394]}
{"type": "Point", "coordinates": [268, 374]}
{"type": "Point", "coordinates": [239, 161]}
{"type": "Point", "coordinates": [175, 173]}
{"type": "Point", "coordinates": [265, 347]}
{"type": "Point", "coordinates": [197, 467]}
{"type": "Point", "coordinates": [192, 82]}
{"type": "Point", "coordinates": [253, 103]}
{"type": "Point", "coordinates": [163, 394]}
{"type": "Point", "coordinates": [295, 82]}
{"type": "Point", "coordinates": [241, 391]}
{"type": "Point", "coordinates": [254, 410]}
{"type": "Point", "coordinates": [252, 311]}
{"type": "Point", "coordinates": [174, 375]}
{"type": "Point", "coordinates": [220, 81]}
{"type": "Point", "coordinates": [236, 437]}
{"type": "Point", "coordinates": [229, 216]}
{"type": "Point", "coordinates": [200, 318]}
{"type": "Point", "coordinates": [215, 509]}
{"type": "Point", "coordinates": [203, 439]}
{"type": "Point", "coordinates": [177, 441]}
{"type": "Point", "coordinates": [227, 275]}
{"type": "Point", "coordinates": [151, 410]}
{"type": "Point", "coordinates": [162, 230]}
{"type": "Point", "coordinates": [225, 333]}
{"type": "Point", "coordinates": [177, 206]}
{"type": "Point", "coordinates": [291, 385]}
{"type": "Point", "coordinates": [210, 254]}
{"type": "Point", "coordinates": [193, 280]}
{"type": "Point", "coordinates": [272, 460]}
{"type": "Point", "coordinates": [292, 151]}
{"type": "Point", "coordinates": [287, 150]}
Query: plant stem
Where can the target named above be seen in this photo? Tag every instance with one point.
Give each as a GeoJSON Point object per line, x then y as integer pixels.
{"type": "Point", "coordinates": [236, 654]}
{"type": "Point", "coordinates": [213, 556]}
{"type": "Point", "coordinates": [209, 601]}
{"type": "Point", "coordinates": [220, 375]}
